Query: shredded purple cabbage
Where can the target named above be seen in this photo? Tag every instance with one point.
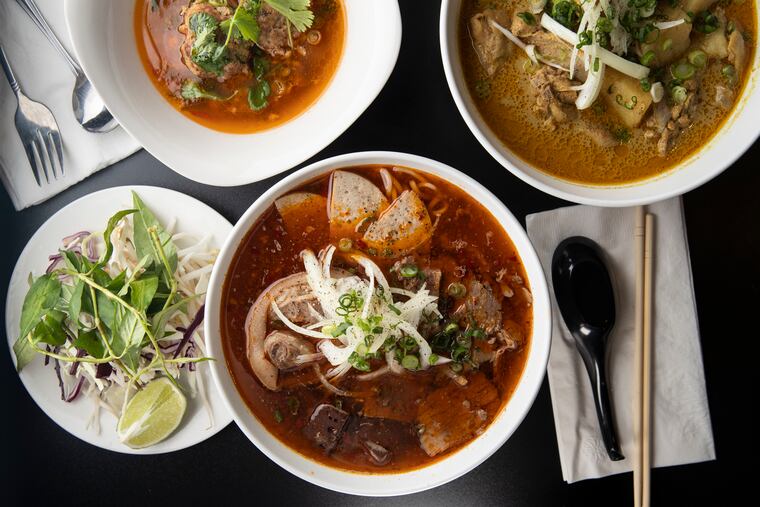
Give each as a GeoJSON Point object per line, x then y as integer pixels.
{"type": "Point", "coordinates": [75, 365]}
{"type": "Point", "coordinates": [47, 358]}
{"type": "Point", "coordinates": [190, 330]}
{"type": "Point", "coordinates": [57, 366]}
{"type": "Point", "coordinates": [73, 394]}
{"type": "Point", "coordinates": [103, 370]}
{"type": "Point", "coordinates": [77, 235]}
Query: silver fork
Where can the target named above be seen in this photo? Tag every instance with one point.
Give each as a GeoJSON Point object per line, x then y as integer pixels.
{"type": "Point", "coordinates": [37, 129]}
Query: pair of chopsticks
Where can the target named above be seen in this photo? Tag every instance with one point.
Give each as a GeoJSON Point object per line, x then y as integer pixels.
{"type": "Point", "coordinates": [643, 241]}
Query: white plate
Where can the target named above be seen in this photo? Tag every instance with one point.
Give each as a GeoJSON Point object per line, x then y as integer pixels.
{"type": "Point", "coordinates": [104, 41]}
{"type": "Point", "coordinates": [91, 212]}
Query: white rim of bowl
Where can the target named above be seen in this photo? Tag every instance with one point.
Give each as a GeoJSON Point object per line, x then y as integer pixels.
{"type": "Point", "coordinates": [464, 111]}
{"type": "Point", "coordinates": [522, 397]}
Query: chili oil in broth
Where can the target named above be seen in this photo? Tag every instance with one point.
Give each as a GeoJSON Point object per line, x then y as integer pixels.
{"type": "Point", "coordinates": [304, 74]}
{"type": "Point", "coordinates": [467, 237]}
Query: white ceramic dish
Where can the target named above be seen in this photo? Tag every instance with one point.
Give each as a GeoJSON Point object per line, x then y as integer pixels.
{"type": "Point", "coordinates": [441, 471]}
{"type": "Point", "coordinates": [91, 212]}
{"type": "Point", "coordinates": [737, 135]}
{"type": "Point", "coordinates": [103, 38]}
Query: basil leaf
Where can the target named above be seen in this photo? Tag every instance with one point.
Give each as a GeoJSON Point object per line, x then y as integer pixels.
{"type": "Point", "coordinates": [144, 221]}
{"type": "Point", "coordinates": [75, 301]}
{"type": "Point", "coordinates": [90, 342]}
{"type": "Point", "coordinates": [142, 291]}
{"type": "Point", "coordinates": [72, 260]}
{"type": "Point", "coordinates": [42, 296]}
{"type": "Point", "coordinates": [50, 329]}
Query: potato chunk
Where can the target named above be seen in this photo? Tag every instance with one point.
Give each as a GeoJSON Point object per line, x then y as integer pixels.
{"type": "Point", "coordinates": [625, 97]}
{"type": "Point", "coordinates": [696, 6]}
{"type": "Point", "coordinates": [671, 43]}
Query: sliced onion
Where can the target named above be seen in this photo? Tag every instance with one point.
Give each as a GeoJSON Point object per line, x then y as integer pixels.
{"type": "Point", "coordinates": [509, 35]}
{"type": "Point", "coordinates": [329, 386]}
{"type": "Point", "coordinates": [295, 327]}
{"type": "Point", "coordinates": [664, 25]}
{"type": "Point", "coordinates": [657, 91]}
{"type": "Point", "coordinates": [536, 6]}
{"type": "Point", "coordinates": [616, 62]}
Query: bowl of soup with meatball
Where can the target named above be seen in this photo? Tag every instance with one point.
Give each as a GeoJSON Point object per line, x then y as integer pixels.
{"type": "Point", "coordinates": [380, 323]}
{"type": "Point", "coordinates": [606, 102]}
{"type": "Point", "coordinates": [227, 92]}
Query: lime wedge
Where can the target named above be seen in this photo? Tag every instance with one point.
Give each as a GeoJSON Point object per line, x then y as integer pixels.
{"type": "Point", "coordinates": [152, 414]}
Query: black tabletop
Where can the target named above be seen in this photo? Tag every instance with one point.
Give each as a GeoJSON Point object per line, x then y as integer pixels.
{"type": "Point", "coordinates": [415, 113]}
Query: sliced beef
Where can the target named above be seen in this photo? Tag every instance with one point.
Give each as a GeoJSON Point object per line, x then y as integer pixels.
{"type": "Point", "coordinates": [293, 298]}
{"type": "Point", "coordinates": [273, 31]}
{"type": "Point", "coordinates": [491, 46]}
{"type": "Point", "coordinates": [454, 414]}
{"type": "Point", "coordinates": [284, 348]}
{"type": "Point", "coordinates": [430, 278]}
{"type": "Point", "coordinates": [374, 440]}
{"type": "Point", "coordinates": [325, 426]}
{"type": "Point", "coordinates": [483, 306]}
{"type": "Point", "coordinates": [393, 397]}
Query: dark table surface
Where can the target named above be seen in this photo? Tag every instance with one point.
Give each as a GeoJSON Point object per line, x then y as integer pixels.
{"type": "Point", "coordinates": [43, 464]}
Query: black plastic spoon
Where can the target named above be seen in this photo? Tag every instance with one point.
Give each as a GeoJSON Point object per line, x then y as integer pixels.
{"type": "Point", "coordinates": [586, 301]}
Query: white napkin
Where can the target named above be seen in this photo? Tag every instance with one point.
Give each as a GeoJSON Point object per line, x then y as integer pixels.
{"type": "Point", "coordinates": [681, 427]}
{"type": "Point", "coordinates": [45, 77]}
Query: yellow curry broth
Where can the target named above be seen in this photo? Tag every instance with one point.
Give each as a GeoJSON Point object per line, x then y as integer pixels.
{"type": "Point", "coordinates": [505, 102]}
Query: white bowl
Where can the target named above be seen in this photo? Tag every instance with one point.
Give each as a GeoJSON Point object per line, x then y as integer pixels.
{"type": "Point", "coordinates": [447, 468]}
{"type": "Point", "coordinates": [737, 135]}
{"type": "Point", "coordinates": [103, 38]}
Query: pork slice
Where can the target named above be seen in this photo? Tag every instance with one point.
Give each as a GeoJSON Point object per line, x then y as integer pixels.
{"type": "Point", "coordinates": [737, 50]}
{"type": "Point", "coordinates": [454, 414]}
{"type": "Point", "coordinates": [400, 228]}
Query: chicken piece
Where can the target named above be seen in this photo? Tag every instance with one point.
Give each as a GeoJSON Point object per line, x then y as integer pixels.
{"type": "Point", "coordinates": [681, 116]}
{"type": "Point", "coordinates": [601, 136]}
{"type": "Point", "coordinates": [724, 96]}
{"type": "Point", "coordinates": [402, 227]}
{"type": "Point", "coordinates": [737, 49]}
{"type": "Point", "coordinates": [553, 95]}
{"type": "Point", "coordinates": [483, 306]}
{"type": "Point", "coordinates": [491, 46]}
{"type": "Point", "coordinates": [454, 414]}
{"type": "Point", "coordinates": [522, 28]}
{"type": "Point", "coordinates": [354, 201]}
{"type": "Point", "coordinates": [553, 49]}
{"type": "Point", "coordinates": [325, 426]}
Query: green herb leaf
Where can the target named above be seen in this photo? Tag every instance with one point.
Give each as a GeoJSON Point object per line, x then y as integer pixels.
{"type": "Point", "coordinates": [193, 91]}
{"type": "Point", "coordinates": [295, 11]}
{"type": "Point", "coordinates": [90, 342]}
{"type": "Point", "coordinates": [144, 220]}
{"type": "Point", "coordinates": [142, 291]}
{"type": "Point", "coordinates": [258, 95]}
{"type": "Point", "coordinates": [75, 301]}
{"type": "Point", "coordinates": [50, 329]}
{"type": "Point", "coordinates": [206, 52]}
{"type": "Point", "coordinates": [42, 296]}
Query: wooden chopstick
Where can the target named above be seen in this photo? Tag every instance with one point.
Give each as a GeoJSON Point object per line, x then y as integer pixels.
{"type": "Point", "coordinates": [646, 398]}
{"type": "Point", "coordinates": [643, 251]}
{"type": "Point", "coordinates": [639, 232]}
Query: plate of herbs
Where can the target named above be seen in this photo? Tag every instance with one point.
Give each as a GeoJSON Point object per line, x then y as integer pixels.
{"type": "Point", "coordinates": [104, 319]}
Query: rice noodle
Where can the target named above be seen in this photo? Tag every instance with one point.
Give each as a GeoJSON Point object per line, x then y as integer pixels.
{"type": "Point", "coordinates": [329, 386]}
{"type": "Point", "coordinates": [374, 374]}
